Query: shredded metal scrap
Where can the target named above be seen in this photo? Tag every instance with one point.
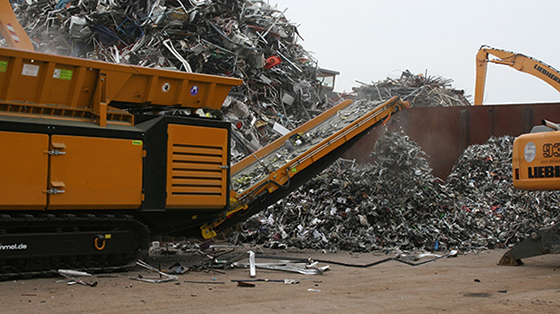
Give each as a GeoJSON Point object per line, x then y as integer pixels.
{"type": "Point", "coordinates": [491, 207]}
{"type": "Point", "coordinates": [395, 203]}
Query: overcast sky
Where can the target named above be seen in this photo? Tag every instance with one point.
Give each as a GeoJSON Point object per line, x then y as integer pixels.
{"type": "Point", "coordinates": [372, 40]}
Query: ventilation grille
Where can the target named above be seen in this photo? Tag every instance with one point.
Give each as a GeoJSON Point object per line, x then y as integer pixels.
{"type": "Point", "coordinates": [197, 171]}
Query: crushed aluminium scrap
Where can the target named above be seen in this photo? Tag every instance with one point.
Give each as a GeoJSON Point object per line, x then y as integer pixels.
{"type": "Point", "coordinates": [394, 203]}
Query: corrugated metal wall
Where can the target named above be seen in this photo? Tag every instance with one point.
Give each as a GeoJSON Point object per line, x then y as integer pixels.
{"type": "Point", "coordinates": [445, 132]}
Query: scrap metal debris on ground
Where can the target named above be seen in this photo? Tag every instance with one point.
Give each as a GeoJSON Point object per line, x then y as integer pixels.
{"type": "Point", "coordinates": [395, 204]}
{"type": "Point", "coordinates": [289, 266]}
{"type": "Point", "coordinates": [73, 277]}
{"type": "Point", "coordinates": [161, 278]}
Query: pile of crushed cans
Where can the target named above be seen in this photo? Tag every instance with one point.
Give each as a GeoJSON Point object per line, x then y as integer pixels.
{"type": "Point", "coordinates": [394, 203]}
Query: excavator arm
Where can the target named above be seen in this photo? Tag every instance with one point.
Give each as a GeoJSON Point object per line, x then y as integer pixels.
{"type": "Point", "coordinates": [11, 30]}
{"type": "Point", "coordinates": [515, 60]}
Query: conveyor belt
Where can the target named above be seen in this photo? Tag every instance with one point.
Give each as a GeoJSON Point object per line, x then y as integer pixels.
{"type": "Point", "coordinates": [267, 175]}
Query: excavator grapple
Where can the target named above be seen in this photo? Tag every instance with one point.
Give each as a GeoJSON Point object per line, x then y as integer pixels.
{"type": "Point", "coordinates": [543, 241]}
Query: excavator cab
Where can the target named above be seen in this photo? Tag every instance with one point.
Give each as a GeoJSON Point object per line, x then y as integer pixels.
{"type": "Point", "coordinates": [534, 168]}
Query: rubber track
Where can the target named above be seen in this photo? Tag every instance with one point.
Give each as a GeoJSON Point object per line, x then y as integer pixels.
{"type": "Point", "coordinates": [46, 267]}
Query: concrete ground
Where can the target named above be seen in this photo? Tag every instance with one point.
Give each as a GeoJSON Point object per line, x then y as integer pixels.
{"type": "Point", "coordinates": [470, 283]}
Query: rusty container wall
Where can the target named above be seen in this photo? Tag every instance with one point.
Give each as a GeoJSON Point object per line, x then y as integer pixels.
{"type": "Point", "coordinates": [445, 132]}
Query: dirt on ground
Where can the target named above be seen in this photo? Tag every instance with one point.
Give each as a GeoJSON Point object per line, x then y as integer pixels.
{"type": "Point", "coordinates": [468, 283]}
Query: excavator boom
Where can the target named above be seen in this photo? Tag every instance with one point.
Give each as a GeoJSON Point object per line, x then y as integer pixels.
{"type": "Point", "coordinates": [517, 61]}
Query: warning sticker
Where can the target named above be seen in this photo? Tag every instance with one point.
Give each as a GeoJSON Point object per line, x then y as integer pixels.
{"type": "Point", "coordinates": [62, 74]}
{"type": "Point", "coordinates": [30, 70]}
{"type": "Point", "coordinates": [3, 66]}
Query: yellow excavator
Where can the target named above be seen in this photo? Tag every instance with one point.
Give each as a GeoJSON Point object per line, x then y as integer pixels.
{"type": "Point", "coordinates": [517, 61]}
{"type": "Point", "coordinates": [536, 156]}
{"type": "Point", "coordinates": [536, 166]}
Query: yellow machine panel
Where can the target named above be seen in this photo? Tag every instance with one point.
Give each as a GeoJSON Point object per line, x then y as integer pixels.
{"type": "Point", "coordinates": [23, 170]}
{"type": "Point", "coordinates": [197, 167]}
{"type": "Point", "coordinates": [58, 87]}
{"type": "Point", "coordinates": [536, 161]}
{"type": "Point", "coordinates": [95, 173]}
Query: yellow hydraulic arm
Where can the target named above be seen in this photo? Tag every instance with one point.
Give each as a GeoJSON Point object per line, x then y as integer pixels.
{"type": "Point", "coordinates": [515, 60]}
{"type": "Point", "coordinates": [11, 30]}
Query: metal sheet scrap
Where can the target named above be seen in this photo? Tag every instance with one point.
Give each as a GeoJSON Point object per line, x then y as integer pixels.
{"type": "Point", "coordinates": [300, 268]}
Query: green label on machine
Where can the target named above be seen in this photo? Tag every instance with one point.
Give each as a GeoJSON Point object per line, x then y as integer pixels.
{"type": "Point", "coordinates": [136, 142]}
{"type": "Point", "coordinates": [63, 74]}
{"type": "Point", "coordinates": [3, 66]}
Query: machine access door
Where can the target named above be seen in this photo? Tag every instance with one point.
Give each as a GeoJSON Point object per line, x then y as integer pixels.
{"type": "Point", "coordinates": [197, 167]}
{"type": "Point", "coordinates": [95, 173]}
{"type": "Point", "coordinates": [23, 170]}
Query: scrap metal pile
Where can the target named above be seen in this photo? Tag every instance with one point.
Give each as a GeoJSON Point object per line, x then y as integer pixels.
{"type": "Point", "coordinates": [247, 39]}
{"type": "Point", "coordinates": [395, 203]}
{"type": "Point", "coordinates": [420, 90]}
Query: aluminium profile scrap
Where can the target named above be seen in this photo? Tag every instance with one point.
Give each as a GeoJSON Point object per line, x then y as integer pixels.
{"type": "Point", "coordinates": [420, 90]}
{"type": "Point", "coordinates": [236, 38]}
{"type": "Point", "coordinates": [395, 204]}
{"type": "Point", "coordinates": [500, 214]}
